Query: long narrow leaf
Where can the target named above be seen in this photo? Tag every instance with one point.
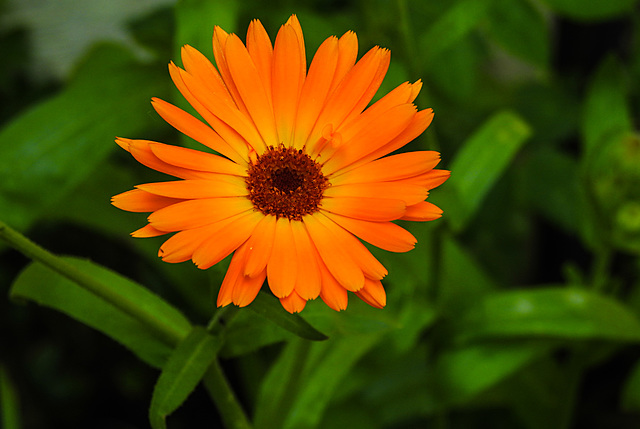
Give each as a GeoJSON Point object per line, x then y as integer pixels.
{"type": "Point", "coordinates": [182, 373]}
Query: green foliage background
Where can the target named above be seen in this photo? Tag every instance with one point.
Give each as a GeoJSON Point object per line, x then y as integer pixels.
{"type": "Point", "coordinates": [518, 309]}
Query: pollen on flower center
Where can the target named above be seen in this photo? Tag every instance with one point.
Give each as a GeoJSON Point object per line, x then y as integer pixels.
{"type": "Point", "coordinates": [286, 183]}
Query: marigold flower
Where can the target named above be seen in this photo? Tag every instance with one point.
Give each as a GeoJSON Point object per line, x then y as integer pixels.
{"type": "Point", "coordinates": [299, 169]}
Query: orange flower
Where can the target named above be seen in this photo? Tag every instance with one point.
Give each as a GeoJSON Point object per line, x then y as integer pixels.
{"type": "Point", "coordinates": [299, 170]}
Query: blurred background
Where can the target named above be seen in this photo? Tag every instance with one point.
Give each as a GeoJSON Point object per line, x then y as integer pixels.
{"type": "Point", "coordinates": [518, 309]}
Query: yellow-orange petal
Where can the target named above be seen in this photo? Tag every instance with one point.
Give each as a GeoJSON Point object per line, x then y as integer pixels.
{"type": "Point", "coordinates": [369, 265]}
{"type": "Point", "coordinates": [199, 66]}
{"type": "Point", "coordinates": [308, 282]}
{"type": "Point", "coordinates": [394, 167]}
{"type": "Point", "coordinates": [422, 212]}
{"type": "Point", "coordinates": [141, 151]}
{"type": "Point", "coordinates": [192, 127]}
{"type": "Point", "coordinates": [251, 89]}
{"type": "Point", "coordinates": [146, 232]}
{"type": "Point", "coordinates": [236, 287]}
{"type": "Point", "coordinates": [259, 246]}
{"type": "Point", "coordinates": [373, 293]}
{"type": "Point", "coordinates": [246, 289]}
{"type": "Point", "coordinates": [338, 260]}
{"type": "Point", "coordinates": [315, 89]}
{"type": "Point", "coordinates": [227, 237]}
{"type": "Point", "coordinates": [181, 245]}
{"type": "Point", "coordinates": [293, 303]}
{"type": "Point", "coordinates": [409, 193]}
{"type": "Point", "coordinates": [220, 38]}
{"type": "Point", "coordinates": [221, 186]}
{"type": "Point", "coordinates": [347, 55]}
{"type": "Point", "coordinates": [385, 235]}
{"type": "Point", "coordinates": [196, 160]}
{"type": "Point", "coordinates": [195, 213]}
{"type": "Point", "coordinates": [140, 201]}
{"type": "Point", "coordinates": [429, 180]}
{"type": "Point", "coordinates": [287, 81]}
{"type": "Point", "coordinates": [282, 268]}
{"type": "Point", "coordinates": [374, 209]}
{"type": "Point", "coordinates": [376, 134]}
{"type": "Point", "coordinates": [261, 52]}
{"type": "Point", "coordinates": [333, 294]}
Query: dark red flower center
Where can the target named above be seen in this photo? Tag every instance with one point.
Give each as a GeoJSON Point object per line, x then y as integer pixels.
{"type": "Point", "coordinates": [286, 183]}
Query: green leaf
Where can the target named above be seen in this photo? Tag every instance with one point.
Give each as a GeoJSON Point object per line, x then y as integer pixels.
{"type": "Point", "coordinates": [270, 308]}
{"type": "Point", "coordinates": [480, 163]}
{"type": "Point", "coordinates": [631, 391]}
{"type": "Point", "coordinates": [455, 24]}
{"type": "Point", "coordinates": [591, 10]}
{"type": "Point", "coordinates": [465, 372]}
{"type": "Point", "coordinates": [47, 151]}
{"type": "Point", "coordinates": [521, 29]}
{"type": "Point", "coordinates": [566, 313]}
{"type": "Point", "coordinates": [9, 402]}
{"type": "Point", "coordinates": [195, 20]}
{"type": "Point", "coordinates": [606, 110]}
{"type": "Point", "coordinates": [299, 386]}
{"type": "Point", "coordinates": [46, 287]}
{"type": "Point", "coordinates": [182, 373]}
{"type": "Point", "coordinates": [248, 332]}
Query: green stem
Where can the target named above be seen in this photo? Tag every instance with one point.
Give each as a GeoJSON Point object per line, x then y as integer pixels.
{"type": "Point", "coordinates": [218, 387]}
{"type": "Point", "coordinates": [601, 266]}
{"type": "Point", "coordinates": [164, 331]}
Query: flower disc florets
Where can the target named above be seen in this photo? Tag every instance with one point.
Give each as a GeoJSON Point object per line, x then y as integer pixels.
{"type": "Point", "coordinates": [285, 182]}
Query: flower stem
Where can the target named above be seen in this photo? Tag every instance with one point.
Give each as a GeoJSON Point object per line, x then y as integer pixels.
{"type": "Point", "coordinates": [164, 331]}
{"type": "Point", "coordinates": [218, 387]}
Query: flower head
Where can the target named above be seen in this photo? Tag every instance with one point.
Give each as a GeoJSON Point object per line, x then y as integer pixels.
{"type": "Point", "coordinates": [299, 170]}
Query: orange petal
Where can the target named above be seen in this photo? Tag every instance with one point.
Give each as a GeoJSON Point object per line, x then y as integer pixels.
{"type": "Point", "coordinates": [428, 180]}
{"type": "Point", "coordinates": [293, 303]}
{"type": "Point", "coordinates": [139, 201]}
{"type": "Point", "coordinates": [228, 236]}
{"type": "Point", "coordinates": [374, 209]}
{"type": "Point", "coordinates": [141, 151]}
{"type": "Point", "coordinates": [220, 38]}
{"type": "Point", "coordinates": [385, 235]}
{"type": "Point", "coordinates": [423, 211]}
{"type": "Point", "coordinates": [226, 120]}
{"type": "Point", "coordinates": [337, 258]}
{"type": "Point", "coordinates": [282, 267]}
{"type": "Point", "coordinates": [238, 288]}
{"type": "Point", "coordinates": [251, 89]}
{"type": "Point", "coordinates": [333, 294]}
{"type": "Point", "coordinates": [196, 160]}
{"type": "Point", "coordinates": [195, 213]}
{"type": "Point", "coordinates": [180, 246]}
{"type": "Point", "coordinates": [261, 52]}
{"type": "Point", "coordinates": [315, 89]}
{"type": "Point", "coordinates": [308, 282]}
{"type": "Point", "coordinates": [147, 231]}
{"type": "Point", "coordinates": [376, 134]}
{"type": "Point", "coordinates": [369, 265]}
{"type": "Point", "coordinates": [373, 293]}
{"type": "Point", "coordinates": [394, 167]}
{"type": "Point", "coordinates": [259, 246]}
{"type": "Point", "coordinates": [192, 127]}
{"type": "Point", "coordinates": [347, 55]}
{"type": "Point", "coordinates": [349, 92]}
{"type": "Point", "coordinates": [409, 193]}
{"type": "Point", "coordinates": [287, 81]}
{"type": "Point", "coordinates": [295, 24]}
{"type": "Point", "coordinates": [221, 186]}
{"type": "Point", "coordinates": [198, 66]}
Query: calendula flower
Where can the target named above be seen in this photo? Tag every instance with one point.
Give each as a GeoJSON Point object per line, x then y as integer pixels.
{"type": "Point", "coordinates": [299, 170]}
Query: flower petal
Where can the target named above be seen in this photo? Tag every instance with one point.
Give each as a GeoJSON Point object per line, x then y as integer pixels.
{"type": "Point", "coordinates": [147, 231]}
{"type": "Point", "coordinates": [385, 235]}
{"type": "Point", "coordinates": [259, 246]}
{"type": "Point", "coordinates": [140, 201]}
{"type": "Point", "coordinates": [373, 293]}
{"type": "Point", "coordinates": [309, 284]}
{"type": "Point", "coordinates": [228, 236]}
{"type": "Point", "coordinates": [394, 167]}
{"type": "Point", "coordinates": [237, 288]}
{"type": "Point", "coordinates": [195, 213]}
{"type": "Point", "coordinates": [222, 186]}
{"type": "Point", "coordinates": [196, 160]}
{"type": "Point", "coordinates": [261, 52]}
{"type": "Point", "coordinates": [422, 212]}
{"type": "Point", "coordinates": [293, 303]}
{"type": "Point", "coordinates": [337, 259]}
{"type": "Point", "coordinates": [333, 294]}
{"type": "Point", "coordinates": [282, 268]}
{"type": "Point", "coordinates": [409, 193]}
{"type": "Point", "coordinates": [375, 209]}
